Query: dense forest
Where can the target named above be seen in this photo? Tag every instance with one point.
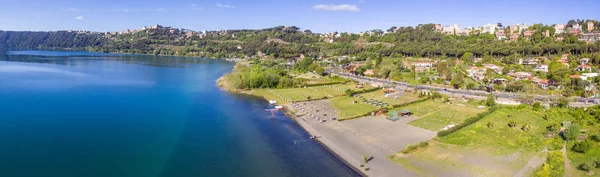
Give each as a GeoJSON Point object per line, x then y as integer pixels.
{"type": "Point", "coordinates": [58, 39]}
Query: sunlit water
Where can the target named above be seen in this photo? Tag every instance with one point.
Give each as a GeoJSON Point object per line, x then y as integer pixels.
{"type": "Point", "coordinates": [78, 114]}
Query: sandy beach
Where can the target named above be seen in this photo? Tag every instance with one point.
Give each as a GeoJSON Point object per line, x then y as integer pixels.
{"type": "Point", "coordinates": [352, 140]}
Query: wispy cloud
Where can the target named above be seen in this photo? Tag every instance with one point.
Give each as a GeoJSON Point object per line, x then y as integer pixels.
{"type": "Point", "coordinates": [196, 7]}
{"type": "Point", "coordinates": [79, 18]}
{"type": "Point", "coordinates": [341, 7]}
{"type": "Point", "coordinates": [70, 9]}
{"type": "Point", "coordinates": [362, 1]}
{"type": "Point", "coordinates": [140, 10]}
{"type": "Point", "coordinates": [224, 5]}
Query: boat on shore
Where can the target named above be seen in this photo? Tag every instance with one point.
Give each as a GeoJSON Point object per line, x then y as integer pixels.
{"type": "Point", "coordinates": [272, 102]}
{"type": "Point", "coordinates": [278, 107]}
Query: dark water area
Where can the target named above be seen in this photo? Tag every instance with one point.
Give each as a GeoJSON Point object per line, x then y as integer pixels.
{"type": "Point", "coordinates": [80, 114]}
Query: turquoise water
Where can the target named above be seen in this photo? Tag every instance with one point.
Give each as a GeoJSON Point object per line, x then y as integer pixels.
{"type": "Point", "coordinates": [79, 114]}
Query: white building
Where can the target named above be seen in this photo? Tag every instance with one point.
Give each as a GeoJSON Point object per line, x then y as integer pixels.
{"type": "Point", "coordinates": [559, 28]}
{"type": "Point", "coordinates": [489, 28]}
{"type": "Point", "coordinates": [577, 26]}
{"type": "Point", "coordinates": [451, 29]}
{"type": "Point", "coordinates": [543, 68]}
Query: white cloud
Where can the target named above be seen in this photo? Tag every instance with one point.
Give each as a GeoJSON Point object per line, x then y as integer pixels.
{"type": "Point", "coordinates": [224, 5]}
{"type": "Point", "coordinates": [79, 18]}
{"type": "Point", "coordinates": [196, 7]}
{"type": "Point", "coordinates": [70, 9]}
{"type": "Point", "coordinates": [341, 7]}
{"type": "Point", "coordinates": [141, 10]}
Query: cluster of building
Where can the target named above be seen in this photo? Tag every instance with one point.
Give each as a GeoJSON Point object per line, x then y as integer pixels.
{"type": "Point", "coordinates": [479, 73]}
{"type": "Point", "coordinates": [512, 33]}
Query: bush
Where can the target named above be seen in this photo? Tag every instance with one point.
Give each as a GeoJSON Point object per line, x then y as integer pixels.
{"type": "Point", "coordinates": [467, 122]}
{"type": "Point", "coordinates": [490, 124]}
{"type": "Point", "coordinates": [546, 117]}
{"type": "Point", "coordinates": [584, 167]}
{"type": "Point", "coordinates": [490, 101]}
{"type": "Point", "coordinates": [572, 132]}
{"type": "Point", "coordinates": [552, 128]}
{"type": "Point", "coordinates": [349, 92]}
{"type": "Point", "coordinates": [596, 163]}
{"type": "Point", "coordinates": [537, 105]}
{"type": "Point", "coordinates": [595, 138]}
{"type": "Point", "coordinates": [525, 127]}
{"type": "Point", "coordinates": [582, 147]}
{"type": "Point", "coordinates": [423, 144]}
{"type": "Point", "coordinates": [410, 148]}
{"type": "Point", "coordinates": [554, 166]}
{"type": "Point", "coordinates": [512, 124]}
{"type": "Point", "coordinates": [367, 169]}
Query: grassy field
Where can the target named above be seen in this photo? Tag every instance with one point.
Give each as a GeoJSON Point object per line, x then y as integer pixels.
{"type": "Point", "coordinates": [436, 115]}
{"type": "Point", "coordinates": [439, 159]}
{"type": "Point", "coordinates": [301, 94]}
{"type": "Point", "coordinates": [347, 108]}
{"type": "Point", "coordinates": [501, 150]}
{"type": "Point", "coordinates": [501, 138]}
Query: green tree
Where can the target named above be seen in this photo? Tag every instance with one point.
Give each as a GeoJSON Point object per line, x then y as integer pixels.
{"type": "Point", "coordinates": [320, 71]}
{"type": "Point", "coordinates": [572, 132]}
{"type": "Point", "coordinates": [466, 56]}
{"type": "Point", "coordinates": [490, 101]}
{"type": "Point", "coordinates": [582, 146]}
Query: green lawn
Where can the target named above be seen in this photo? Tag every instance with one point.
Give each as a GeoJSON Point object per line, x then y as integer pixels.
{"type": "Point", "coordinates": [347, 108]}
{"type": "Point", "coordinates": [503, 139]}
{"type": "Point", "coordinates": [301, 94]}
{"type": "Point", "coordinates": [436, 115]}
{"type": "Point", "coordinates": [500, 150]}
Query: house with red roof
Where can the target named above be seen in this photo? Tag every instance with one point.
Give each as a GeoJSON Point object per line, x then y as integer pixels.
{"type": "Point", "coordinates": [584, 68]}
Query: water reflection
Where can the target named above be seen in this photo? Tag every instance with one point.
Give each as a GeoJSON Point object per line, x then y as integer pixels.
{"type": "Point", "coordinates": [75, 58]}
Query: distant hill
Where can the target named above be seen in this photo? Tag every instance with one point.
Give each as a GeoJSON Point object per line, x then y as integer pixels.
{"type": "Point", "coordinates": [290, 42]}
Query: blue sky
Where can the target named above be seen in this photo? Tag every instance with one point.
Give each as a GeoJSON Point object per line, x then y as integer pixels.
{"type": "Point", "coordinates": [316, 15]}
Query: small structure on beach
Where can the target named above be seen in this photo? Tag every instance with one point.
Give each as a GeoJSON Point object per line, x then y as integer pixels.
{"type": "Point", "coordinates": [404, 113]}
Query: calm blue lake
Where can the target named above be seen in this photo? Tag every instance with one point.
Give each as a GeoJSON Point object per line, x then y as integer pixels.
{"type": "Point", "coordinates": [79, 114]}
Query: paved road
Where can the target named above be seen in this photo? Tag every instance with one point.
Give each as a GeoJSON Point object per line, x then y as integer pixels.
{"type": "Point", "coordinates": [505, 95]}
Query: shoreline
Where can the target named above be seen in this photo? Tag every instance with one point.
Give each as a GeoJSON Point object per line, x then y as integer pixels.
{"type": "Point", "coordinates": [287, 111]}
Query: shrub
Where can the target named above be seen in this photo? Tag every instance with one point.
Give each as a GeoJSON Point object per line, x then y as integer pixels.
{"type": "Point", "coordinates": [525, 127]}
{"type": "Point", "coordinates": [553, 128]}
{"type": "Point", "coordinates": [410, 148]}
{"type": "Point", "coordinates": [537, 105]}
{"type": "Point", "coordinates": [423, 144]}
{"type": "Point", "coordinates": [349, 92]}
{"type": "Point", "coordinates": [596, 163]}
{"type": "Point", "coordinates": [572, 132]}
{"type": "Point", "coordinates": [512, 124]}
{"type": "Point", "coordinates": [554, 166]}
{"type": "Point", "coordinates": [584, 167]}
{"type": "Point", "coordinates": [582, 147]}
{"type": "Point", "coordinates": [467, 122]}
{"type": "Point", "coordinates": [367, 158]}
{"type": "Point", "coordinates": [490, 101]}
{"type": "Point", "coordinates": [367, 169]}
{"type": "Point", "coordinates": [595, 138]}
{"type": "Point", "coordinates": [546, 117]}
{"type": "Point", "coordinates": [490, 124]}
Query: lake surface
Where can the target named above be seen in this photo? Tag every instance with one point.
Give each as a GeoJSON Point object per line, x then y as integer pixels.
{"type": "Point", "coordinates": [79, 114]}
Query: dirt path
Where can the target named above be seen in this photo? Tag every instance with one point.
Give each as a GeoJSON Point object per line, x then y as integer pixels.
{"type": "Point", "coordinates": [433, 112]}
{"type": "Point", "coordinates": [533, 163]}
{"type": "Point", "coordinates": [568, 167]}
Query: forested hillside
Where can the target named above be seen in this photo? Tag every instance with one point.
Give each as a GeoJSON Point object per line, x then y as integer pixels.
{"type": "Point", "coordinates": [286, 42]}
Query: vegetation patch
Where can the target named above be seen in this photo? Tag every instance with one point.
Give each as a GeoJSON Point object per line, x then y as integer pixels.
{"type": "Point", "coordinates": [435, 115]}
